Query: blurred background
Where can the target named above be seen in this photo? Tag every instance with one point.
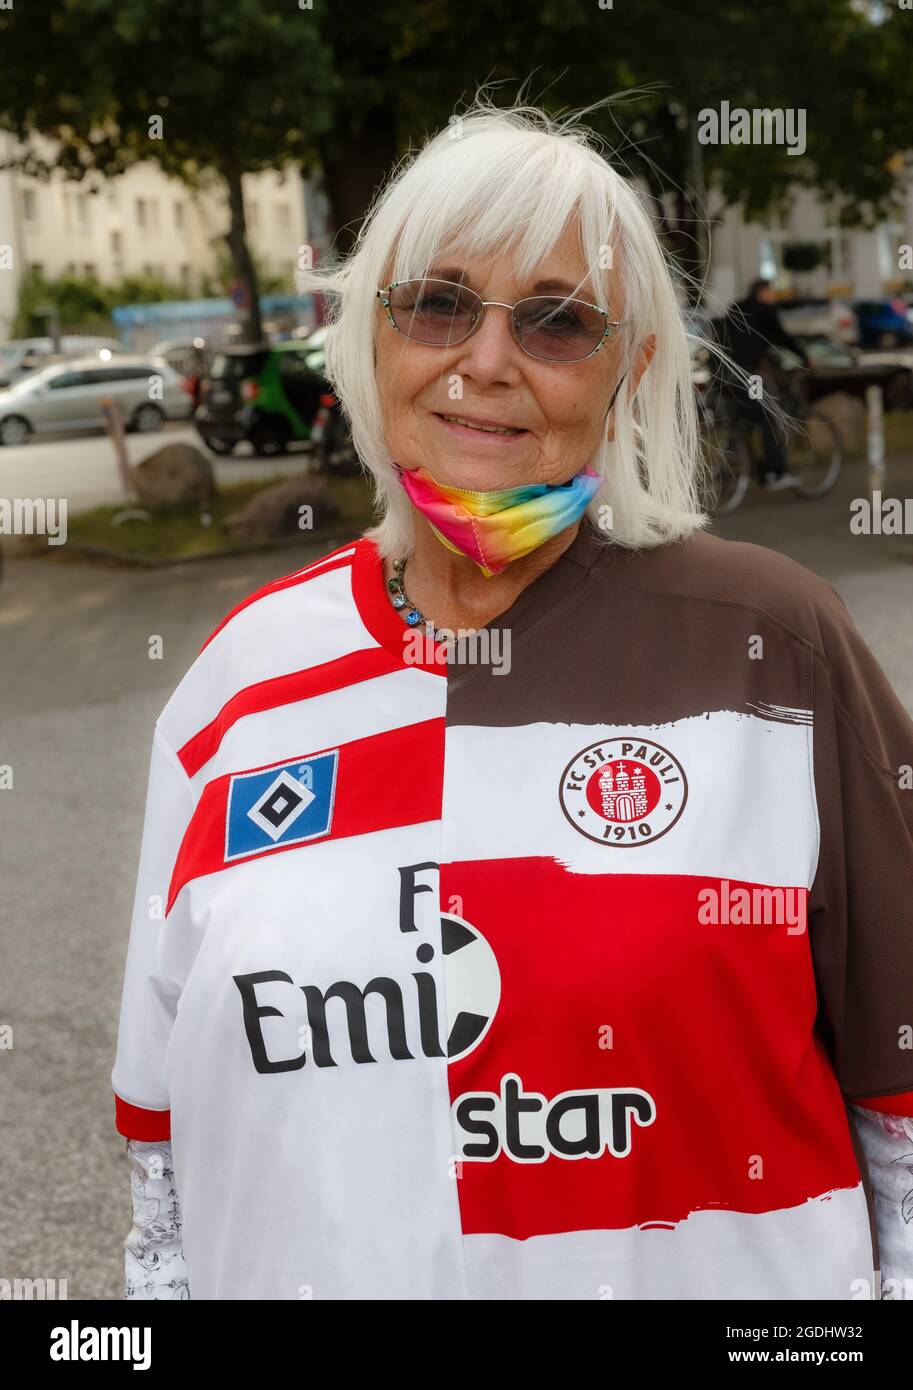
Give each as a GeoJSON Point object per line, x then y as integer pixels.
{"type": "Point", "coordinates": [165, 173]}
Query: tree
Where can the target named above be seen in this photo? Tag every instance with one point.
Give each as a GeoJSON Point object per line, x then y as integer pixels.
{"type": "Point", "coordinates": [407, 70]}
{"type": "Point", "coordinates": [349, 88]}
{"type": "Point", "coordinates": [205, 90]}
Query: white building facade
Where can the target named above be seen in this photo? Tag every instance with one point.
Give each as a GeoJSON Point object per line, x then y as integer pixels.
{"type": "Point", "coordinates": [856, 263]}
{"type": "Point", "coordinates": [141, 223]}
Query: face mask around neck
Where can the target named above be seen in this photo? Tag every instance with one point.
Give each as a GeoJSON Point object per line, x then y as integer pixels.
{"type": "Point", "coordinates": [495, 527]}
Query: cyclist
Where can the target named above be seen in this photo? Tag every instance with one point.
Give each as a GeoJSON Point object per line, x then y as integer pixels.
{"type": "Point", "coordinates": [751, 327]}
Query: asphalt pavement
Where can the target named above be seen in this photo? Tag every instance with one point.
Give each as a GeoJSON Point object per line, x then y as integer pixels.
{"type": "Point", "coordinates": [78, 700]}
{"type": "Point", "coordinates": [82, 468]}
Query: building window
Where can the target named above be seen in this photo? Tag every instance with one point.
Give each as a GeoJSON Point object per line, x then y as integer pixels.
{"type": "Point", "coordinates": [82, 210]}
{"type": "Point", "coordinates": [116, 244]}
{"type": "Point", "coordinates": [147, 214]}
{"type": "Point", "coordinates": [89, 269]}
{"type": "Point", "coordinates": [179, 216]}
{"type": "Point", "coordinates": [37, 268]}
{"type": "Point", "coordinates": [253, 214]}
{"type": "Point", "coordinates": [184, 273]}
{"type": "Point", "coordinates": [890, 238]}
{"type": "Point", "coordinates": [30, 207]}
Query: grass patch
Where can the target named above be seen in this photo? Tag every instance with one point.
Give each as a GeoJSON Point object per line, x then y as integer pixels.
{"type": "Point", "coordinates": [177, 533]}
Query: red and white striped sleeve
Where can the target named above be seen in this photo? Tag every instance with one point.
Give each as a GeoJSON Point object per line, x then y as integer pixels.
{"type": "Point", "coordinates": [149, 999]}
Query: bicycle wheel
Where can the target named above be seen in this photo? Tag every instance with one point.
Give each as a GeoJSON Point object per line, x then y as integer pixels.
{"type": "Point", "coordinates": [727, 464]}
{"type": "Point", "coordinates": [815, 455]}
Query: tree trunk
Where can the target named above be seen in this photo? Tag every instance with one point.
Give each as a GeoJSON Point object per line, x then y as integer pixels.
{"type": "Point", "coordinates": [242, 264]}
{"type": "Point", "coordinates": [353, 169]}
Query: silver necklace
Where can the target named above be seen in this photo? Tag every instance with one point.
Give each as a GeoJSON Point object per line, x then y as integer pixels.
{"type": "Point", "coordinates": [401, 600]}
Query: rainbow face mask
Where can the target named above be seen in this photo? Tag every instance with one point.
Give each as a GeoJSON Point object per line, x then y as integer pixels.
{"type": "Point", "coordinates": [492, 528]}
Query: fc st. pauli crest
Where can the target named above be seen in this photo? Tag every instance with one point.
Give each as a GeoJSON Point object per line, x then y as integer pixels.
{"type": "Point", "coordinates": [623, 791]}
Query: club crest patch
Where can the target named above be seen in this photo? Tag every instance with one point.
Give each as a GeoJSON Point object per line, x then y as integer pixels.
{"type": "Point", "coordinates": [278, 806]}
{"type": "Point", "coordinates": [623, 791]}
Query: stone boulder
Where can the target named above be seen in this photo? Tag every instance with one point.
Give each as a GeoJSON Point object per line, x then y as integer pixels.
{"type": "Point", "coordinates": [173, 474]}
{"type": "Point", "coordinates": [279, 510]}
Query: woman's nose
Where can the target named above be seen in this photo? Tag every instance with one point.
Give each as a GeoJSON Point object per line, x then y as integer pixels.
{"type": "Point", "coordinates": [491, 350]}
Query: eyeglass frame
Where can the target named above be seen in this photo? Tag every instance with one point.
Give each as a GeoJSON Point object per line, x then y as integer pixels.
{"type": "Point", "coordinates": [384, 296]}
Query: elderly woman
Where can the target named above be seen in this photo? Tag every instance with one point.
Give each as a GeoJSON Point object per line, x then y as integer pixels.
{"type": "Point", "coordinates": [550, 977]}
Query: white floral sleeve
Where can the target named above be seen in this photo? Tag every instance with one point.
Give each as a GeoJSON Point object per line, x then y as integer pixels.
{"type": "Point", "coordinates": [888, 1144]}
{"type": "Point", "coordinates": [154, 1254]}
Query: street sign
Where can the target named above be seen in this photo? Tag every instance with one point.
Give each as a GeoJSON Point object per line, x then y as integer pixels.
{"type": "Point", "coordinates": [239, 295]}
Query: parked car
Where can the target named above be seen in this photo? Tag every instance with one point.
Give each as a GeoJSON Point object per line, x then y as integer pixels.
{"type": "Point", "coordinates": [190, 358]}
{"type": "Point", "coordinates": [267, 394]}
{"type": "Point", "coordinates": [883, 323]}
{"type": "Point", "coordinates": [69, 397]}
{"type": "Point", "coordinates": [819, 317]}
{"type": "Point", "coordinates": [25, 355]}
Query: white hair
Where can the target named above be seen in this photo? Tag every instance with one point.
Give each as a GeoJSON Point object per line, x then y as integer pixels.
{"type": "Point", "coordinates": [510, 179]}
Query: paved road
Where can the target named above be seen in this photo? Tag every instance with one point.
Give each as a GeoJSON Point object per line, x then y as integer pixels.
{"type": "Point", "coordinates": [78, 700]}
{"type": "Point", "coordinates": [82, 467]}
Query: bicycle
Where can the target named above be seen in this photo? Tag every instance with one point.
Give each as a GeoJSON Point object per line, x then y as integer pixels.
{"type": "Point", "coordinates": [732, 451]}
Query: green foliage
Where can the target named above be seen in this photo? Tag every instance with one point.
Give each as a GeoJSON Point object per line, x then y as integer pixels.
{"type": "Point", "coordinates": [83, 302]}
{"type": "Point", "coordinates": [256, 83]}
{"type": "Point", "coordinates": [238, 87]}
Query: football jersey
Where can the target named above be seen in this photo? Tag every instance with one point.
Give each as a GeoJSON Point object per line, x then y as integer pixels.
{"type": "Point", "coordinates": [548, 977]}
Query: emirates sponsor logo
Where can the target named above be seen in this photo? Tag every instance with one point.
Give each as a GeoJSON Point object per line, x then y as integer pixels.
{"type": "Point", "coordinates": [623, 791]}
{"type": "Point", "coordinates": [294, 1027]}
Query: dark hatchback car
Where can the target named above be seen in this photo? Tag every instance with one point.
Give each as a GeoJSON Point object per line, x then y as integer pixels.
{"type": "Point", "coordinates": [268, 395]}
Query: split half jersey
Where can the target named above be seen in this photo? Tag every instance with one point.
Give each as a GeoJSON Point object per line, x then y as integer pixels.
{"type": "Point", "coordinates": [546, 976]}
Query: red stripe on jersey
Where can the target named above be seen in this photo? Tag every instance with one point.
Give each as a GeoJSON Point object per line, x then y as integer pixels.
{"type": "Point", "coordinates": [372, 599]}
{"type": "Point", "coordinates": [901, 1104]}
{"type": "Point", "coordinates": [285, 690]}
{"type": "Point", "coordinates": [382, 780]}
{"type": "Point", "coordinates": [328, 562]}
{"type": "Point", "coordinates": [133, 1122]}
{"type": "Point", "coordinates": [610, 982]}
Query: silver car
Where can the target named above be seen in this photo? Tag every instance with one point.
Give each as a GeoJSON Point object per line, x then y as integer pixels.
{"type": "Point", "coordinates": [70, 396]}
{"type": "Point", "coordinates": [24, 355]}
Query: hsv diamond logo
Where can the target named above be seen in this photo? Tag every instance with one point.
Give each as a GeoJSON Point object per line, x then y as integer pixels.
{"type": "Point", "coordinates": [279, 806]}
{"type": "Point", "coordinates": [623, 791]}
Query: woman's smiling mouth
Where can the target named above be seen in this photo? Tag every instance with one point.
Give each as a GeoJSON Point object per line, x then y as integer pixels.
{"type": "Point", "coordinates": [462, 426]}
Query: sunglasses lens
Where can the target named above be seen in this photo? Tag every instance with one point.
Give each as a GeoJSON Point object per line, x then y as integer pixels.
{"type": "Point", "coordinates": [433, 311]}
{"type": "Point", "coordinates": [559, 330]}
